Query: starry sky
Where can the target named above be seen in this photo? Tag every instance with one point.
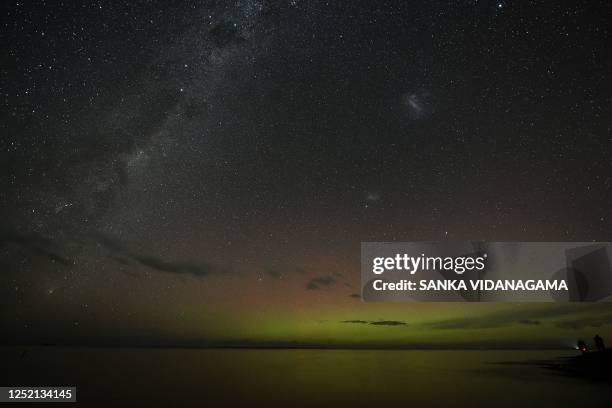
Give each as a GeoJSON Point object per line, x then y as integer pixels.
{"type": "Point", "coordinates": [203, 172]}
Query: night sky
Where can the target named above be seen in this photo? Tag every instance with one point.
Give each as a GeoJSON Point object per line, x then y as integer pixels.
{"type": "Point", "coordinates": [193, 173]}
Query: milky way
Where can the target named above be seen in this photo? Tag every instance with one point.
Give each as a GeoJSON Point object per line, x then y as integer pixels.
{"type": "Point", "coordinates": [206, 171]}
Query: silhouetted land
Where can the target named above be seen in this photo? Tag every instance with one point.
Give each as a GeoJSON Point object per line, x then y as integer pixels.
{"type": "Point", "coordinates": [593, 366]}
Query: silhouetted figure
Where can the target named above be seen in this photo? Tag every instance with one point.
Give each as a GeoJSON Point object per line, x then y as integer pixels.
{"type": "Point", "coordinates": [582, 347]}
{"type": "Point", "coordinates": [599, 343]}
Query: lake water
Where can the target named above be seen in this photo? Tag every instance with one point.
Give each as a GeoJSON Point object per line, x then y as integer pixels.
{"type": "Point", "coordinates": [298, 377]}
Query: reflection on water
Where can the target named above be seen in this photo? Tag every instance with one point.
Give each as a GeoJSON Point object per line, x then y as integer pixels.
{"type": "Point", "coordinates": [289, 378]}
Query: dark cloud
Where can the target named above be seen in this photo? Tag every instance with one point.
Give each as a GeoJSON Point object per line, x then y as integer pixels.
{"type": "Point", "coordinates": [388, 323]}
{"type": "Point", "coordinates": [125, 256]}
{"type": "Point", "coordinates": [320, 281]}
{"type": "Point", "coordinates": [195, 269]}
{"type": "Point", "coordinates": [34, 243]}
{"type": "Point", "coordinates": [53, 257]}
{"type": "Point", "coordinates": [376, 322]}
{"type": "Point", "coordinates": [530, 322]}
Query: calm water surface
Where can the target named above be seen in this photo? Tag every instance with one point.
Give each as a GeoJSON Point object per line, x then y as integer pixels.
{"type": "Point", "coordinates": [290, 378]}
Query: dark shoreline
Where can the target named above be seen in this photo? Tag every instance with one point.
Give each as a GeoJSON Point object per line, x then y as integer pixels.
{"type": "Point", "coordinates": [593, 366]}
{"type": "Point", "coordinates": [284, 347]}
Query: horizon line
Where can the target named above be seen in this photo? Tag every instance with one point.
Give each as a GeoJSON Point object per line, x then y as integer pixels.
{"type": "Point", "coordinates": [263, 346]}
